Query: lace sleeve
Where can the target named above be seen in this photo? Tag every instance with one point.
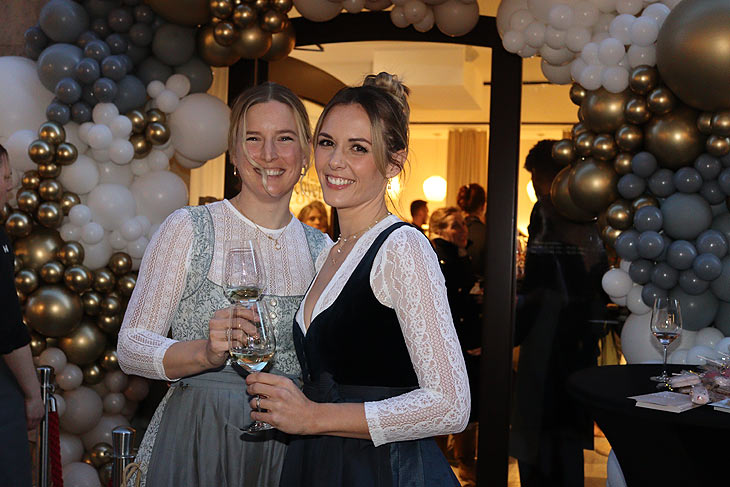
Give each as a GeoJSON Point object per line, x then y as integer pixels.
{"type": "Point", "coordinates": [406, 276]}
{"type": "Point", "coordinates": [143, 336]}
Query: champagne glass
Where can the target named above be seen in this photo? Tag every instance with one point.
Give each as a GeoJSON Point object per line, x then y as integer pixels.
{"type": "Point", "coordinates": [244, 279]}
{"type": "Point", "coordinates": [666, 326]}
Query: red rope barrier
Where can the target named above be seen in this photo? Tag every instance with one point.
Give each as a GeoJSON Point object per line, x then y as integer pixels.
{"type": "Point", "coordinates": [54, 449]}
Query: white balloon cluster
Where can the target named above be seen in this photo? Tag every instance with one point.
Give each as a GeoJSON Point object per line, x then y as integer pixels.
{"type": "Point", "coordinates": [592, 42]}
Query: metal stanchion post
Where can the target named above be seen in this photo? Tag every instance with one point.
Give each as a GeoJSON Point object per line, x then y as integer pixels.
{"type": "Point", "coordinates": [122, 439]}
{"type": "Point", "coordinates": [44, 376]}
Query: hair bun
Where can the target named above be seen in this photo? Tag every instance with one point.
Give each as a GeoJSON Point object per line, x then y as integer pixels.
{"type": "Point", "coordinates": [391, 85]}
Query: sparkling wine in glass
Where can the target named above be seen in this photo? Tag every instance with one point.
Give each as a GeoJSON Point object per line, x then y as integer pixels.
{"type": "Point", "coordinates": [666, 326]}
{"type": "Point", "coordinates": [244, 279]}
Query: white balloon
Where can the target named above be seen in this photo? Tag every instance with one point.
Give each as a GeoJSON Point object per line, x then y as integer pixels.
{"type": "Point", "coordinates": [605, 5]}
{"type": "Point", "coordinates": [23, 99]}
{"type": "Point", "coordinates": [520, 20]}
{"type": "Point", "coordinates": [603, 23]}
{"type": "Point", "coordinates": [624, 265]}
{"type": "Point", "coordinates": [709, 337]}
{"type": "Point", "coordinates": [121, 127]}
{"type": "Point", "coordinates": [157, 160]}
{"type": "Point", "coordinates": [644, 31]}
{"type": "Point", "coordinates": [167, 101]}
{"type": "Point", "coordinates": [92, 233]}
{"type": "Point", "coordinates": [671, 3]}
{"type": "Point", "coordinates": [535, 34]}
{"type": "Point", "coordinates": [635, 303]}
{"type": "Point", "coordinates": [354, 6]}
{"type": "Point", "coordinates": [84, 131]}
{"type": "Point", "coordinates": [121, 151]}
{"type": "Point", "coordinates": [723, 345]}
{"type": "Point", "coordinates": [154, 88]}
{"type": "Point", "coordinates": [100, 155]}
{"type": "Point", "coordinates": [102, 432]}
{"type": "Point", "coordinates": [140, 167]}
{"type": "Point", "coordinates": [687, 339]}
{"type": "Point", "coordinates": [73, 137]}
{"type": "Point", "coordinates": [577, 37]}
{"type": "Point", "coordinates": [111, 205]}
{"type": "Point", "coordinates": [145, 222]}
{"type": "Point", "coordinates": [415, 11]}
{"type": "Point", "coordinates": [104, 113]}
{"type": "Point", "coordinates": [554, 38]}
{"type": "Point", "coordinates": [131, 230]}
{"type": "Point", "coordinates": [116, 241]}
{"type": "Point", "coordinates": [100, 136]}
{"type": "Point", "coordinates": [178, 84]}
{"type": "Point", "coordinates": [541, 8]}
{"type": "Point", "coordinates": [616, 282]}
{"type": "Point", "coordinates": [631, 7]}
{"type": "Point", "coordinates": [637, 343]}
{"type": "Point", "coordinates": [53, 357]}
{"type": "Point", "coordinates": [561, 16]}
{"type": "Point", "coordinates": [639, 55]}
{"type": "Point", "coordinates": [60, 405]}
{"type": "Point", "coordinates": [17, 147]}
{"type": "Point", "coordinates": [620, 300]}
{"type": "Point", "coordinates": [678, 357]}
{"type": "Point", "coordinates": [116, 381]}
{"type": "Point", "coordinates": [110, 173]}
{"type": "Point", "coordinates": [455, 18]}
{"type": "Point", "coordinates": [398, 17]}
{"type": "Point", "coordinates": [153, 230]}
{"type": "Point", "coordinates": [79, 215]}
{"type": "Point", "coordinates": [136, 249]}
{"type": "Point", "coordinates": [83, 410]}
{"type": "Point", "coordinates": [137, 389]}
{"type": "Point", "coordinates": [199, 127]}
{"type": "Point", "coordinates": [657, 12]}
{"type": "Point", "coordinates": [585, 14]}
{"type": "Point", "coordinates": [97, 255]}
{"type": "Point", "coordinates": [426, 23]}
{"type": "Point", "coordinates": [576, 68]}
{"type": "Point", "coordinates": [591, 77]}
{"type": "Point", "coordinates": [559, 75]}
{"type": "Point", "coordinates": [72, 449]}
{"type": "Point", "coordinates": [556, 57]}
{"type": "Point", "coordinates": [158, 194]}
{"type": "Point", "coordinates": [590, 53]}
{"type": "Point", "coordinates": [114, 403]}
{"type": "Point", "coordinates": [695, 353]}
{"type": "Point", "coordinates": [527, 51]}
{"type": "Point", "coordinates": [504, 13]}
{"type": "Point", "coordinates": [513, 41]}
{"type": "Point", "coordinates": [615, 79]}
{"type": "Point", "coordinates": [70, 377]}
{"type": "Point", "coordinates": [611, 51]}
{"type": "Point", "coordinates": [620, 28]}
{"type": "Point", "coordinates": [70, 232]}
{"type": "Point", "coordinates": [80, 474]}
{"type": "Point", "coordinates": [600, 37]}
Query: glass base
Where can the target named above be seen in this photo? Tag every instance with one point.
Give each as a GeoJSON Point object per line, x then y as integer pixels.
{"type": "Point", "coordinates": [256, 427]}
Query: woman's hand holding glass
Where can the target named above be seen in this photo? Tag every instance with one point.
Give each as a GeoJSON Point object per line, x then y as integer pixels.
{"type": "Point", "coordinates": [235, 323]}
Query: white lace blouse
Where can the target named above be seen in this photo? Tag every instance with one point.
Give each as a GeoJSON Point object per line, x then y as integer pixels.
{"type": "Point", "coordinates": [407, 278]}
{"type": "Point", "coordinates": [143, 336]}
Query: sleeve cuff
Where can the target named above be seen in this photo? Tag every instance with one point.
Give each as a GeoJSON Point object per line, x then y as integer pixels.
{"type": "Point", "coordinates": [158, 360]}
{"type": "Point", "coordinates": [371, 416]}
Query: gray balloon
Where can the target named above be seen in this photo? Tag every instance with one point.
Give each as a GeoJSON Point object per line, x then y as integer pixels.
{"type": "Point", "coordinates": [58, 112]}
{"type": "Point", "coordinates": [114, 68]}
{"type": "Point", "coordinates": [105, 90]}
{"type": "Point", "coordinates": [131, 94]}
{"type": "Point", "coordinates": [153, 69]}
{"type": "Point", "coordinates": [648, 218]}
{"type": "Point", "coordinates": [711, 242]}
{"type": "Point", "coordinates": [665, 276]}
{"type": "Point", "coordinates": [724, 181]}
{"type": "Point", "coordinates": [137, 54]}
{"type": "Point", "coordinates": [722, 318]}
{"type": "Point", "coordinates": [707, 267]}
{"type": "Point", "coordinates": [144, 14]}
{"type": "Point", "coordinates": [721, 223]}
{"type": "Point", "coordinates": [691, 284]}
{"type": "Point", "coordinates": [631, 186]}
{"type": "Point", "coordinates": [100, 27]}
{"type": "Point", "coordinates": [31, 53]}
{"type": "Point", "coordinates": [117, 43]}
{"type": "Point", "coordinates": [667, 242]}
{"type": "Point", "coordinates": [641, 270]}
{"type": "Point", "coordinates": [68, 91]}
{"type": "Point", "coordinates": [708, 166]}
{"type": "Point", "coordinates": [627, 245]}
{"type": "Point", "coordinates": [687, 180]}
{"type": "Point", "coordinates": [57, 61]}
{"type": "Point", "coordinates": [63, 20]}
{"type": "Point", "coordinates": [173, 44]}
{"type": "Point", "coordinates": [650, 292]}
{"type": "Point", "coordinates": [141, 34]}
{"type": "Point", "coordinates": [97, 50]}
{"type": "Point", "coordinates": [661, 183]}
{"type": "Point", "coordinates": [721, 285]}
{"type": "Point", "coordinates": [698, 311]}
{"type": "Point", "coordinates": [650, 245]}
{"type": "Point", "coordinates": [686, 215]}
{"type": "Point", "coordinates": [725, 160]}
{"type": "Point", "coordinates": [85, 38]}
{"type": "Point", "coordinates": [87, 70]}
{"type": "Point", "coordinates": [681, 254]}
{"type": "Point", "coordinates": [718, 209]}
{"type": "Point", "coordinates": [711, 191]}
{"type": "Point", "coordinates": [199, 74]}
{"type": "Point", "coordinates": [80, 112]}
{"type": "Point", "coordinates": [643, 164]}
{"type": "Point", "coordinates": [35, 38]}
{"type": "Point", "coordinates": [87, 95]}
{"type": "Point", "coordinates": [120, 19]}
{"type": "Point", "coordinates": [101, 8]}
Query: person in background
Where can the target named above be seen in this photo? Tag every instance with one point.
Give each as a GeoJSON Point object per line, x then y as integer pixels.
{"type": "Point", "coordinates": [558, 296]}
{"type": "Point", "coordinates": [21, 406]}
{"type": "Point", "coordinates": [472, 199]}
{"type": "Point", "coordinates": [449, 238]}
{"type": "Point", "coordinates": [315, 215]}
{"type": "Point", "coordinates": [419, 214]}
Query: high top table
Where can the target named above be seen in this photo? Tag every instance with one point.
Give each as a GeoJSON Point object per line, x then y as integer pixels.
{"type": "Point", "coordinates": [655, 448]}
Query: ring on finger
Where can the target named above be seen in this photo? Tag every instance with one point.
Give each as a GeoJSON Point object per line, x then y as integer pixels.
{"type": "Point", "coordinates": [258, 403]}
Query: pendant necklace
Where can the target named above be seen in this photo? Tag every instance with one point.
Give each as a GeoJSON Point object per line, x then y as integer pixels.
{"type": "Point", "coordinates": [277, 245]}
{"type": "Point", "coordinates": [342, 241]}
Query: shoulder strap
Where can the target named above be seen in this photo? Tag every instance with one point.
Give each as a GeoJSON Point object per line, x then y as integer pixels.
{"type": "Point", "coordinates": [202, 248]}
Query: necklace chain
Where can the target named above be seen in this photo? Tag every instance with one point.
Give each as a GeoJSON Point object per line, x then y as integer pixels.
{"type": "Point", "coordinates": [277, 245]}
{"type": "Point", "coordinates": [342, 241]}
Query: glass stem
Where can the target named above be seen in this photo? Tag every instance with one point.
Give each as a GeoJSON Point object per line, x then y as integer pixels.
{"type": "Point", "coordinates": [664, 374]}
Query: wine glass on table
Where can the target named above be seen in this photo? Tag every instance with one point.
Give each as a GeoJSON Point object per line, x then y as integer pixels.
{"type": "Point", "coordinates": [244, 283]}
{"type": "Point", "coordinates": [666, 326]}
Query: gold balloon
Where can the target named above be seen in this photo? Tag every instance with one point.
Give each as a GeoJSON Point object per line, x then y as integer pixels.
{"type": "Point", "coordinates": [580, 115]}
{"type": "Point", "coordinates": [50, 190]}
{"type": "Point", "coordinates": [106, 473]}
{"type": "Point", "coordinates": [604, 147]}
{"type": "Point", "coordinates": [584, 144]}
{"type": "Point", "coordinates": [52, 272]}
{"type": "Point", "coordinates": [110, 323]}
{"type": "Point", "coordinates": [41, 152]}
{"type": "Point", "coordinates": [563, 152]}
{"type": "Point", "coordinates": [674, 138]}
{"type": "Point", "coordinates": [78, 278]}
{"type": "Point", "coordinates": [643, 79]}
{"type": "Point", "coordinates": [49, 171]}
{"type": "Point", "coordinates": [609, 235]}
{"type": "Point", "coordinates": [104, 280]}
{"type": "Point", "coordinates": [560, 196]}
{"type": "Point", "coordinates": [126, 284]}
{"type": "Point", "coordinates": [87, 458]}
{"type": "Point", "coordinates": [37, 344]}
{"type": "Point", "coordinates": [68, 201]}
{"type": "Point", "coordinates": [717, 146]}
{"type": "Point", "coordinates": [109, 360]}
{"type": "Point", "coordinates": [603, 112]}
{"type": "Point", "coordinates": [592, 185]}
{"type": "Point", "coordinates": [21, 297]}
{"type": "Point", "coordinates": [53, 311]}
{"type": "Point", "coordinates": [244, 16]}
{"type": "Point", "coordinates": [66, 153]}
{"type": "Point", "coordinates": [282, 43]}
{"type": "Point", "coordinates": [577, 129]}
{"type": "Point", "coordinates": [157, 133]}
{"type": "Point", "coordinates": [139, 121]}
{"type": "Point", "coordinates": [120, 263]}
{"type": "Point", "coordinates": [261, 5]}
{"type": "Point", "coordinates": [692, 53]}
{"type": "Point", "coordinates": [273, 21]}
{"type": "Point", "coordinates": [52, 132]}
{"type": "Point", "coordinates": [26, 281]}
{"type": "Point", "coordinates": [101, 454]}
{"type": "Point", "coordinates": [141, 145]}
{"type": "Point", "coordinates": [704, 123]}
{"type": "Point", "coordinates": [182, 12]}
{"type": "Point", "coordinates": [92, 303]}
{"type": "Point", "coordinates": [49, 214]}
{"type": "Point", "coordinates": [51, 342]}
{"type": "Point", "coordinates": [31, 180]}
{"type": "Point", "coordinates": [84, 344]}
{"type": "Point", "coordinates": [4, 213]}
{"type": "Point", "coordinates": [622, 163]}
{"type": "Point", "coordinates": [110, 305]}
{"type": "Point", "coordinates": [17, 264]}
{"type": "Point", "coordinates": [252, 43]}
{"type": "Point", "coordinates": [221, 8]}
{"type": "Point", "coordinates": [637, 111]}
{"type": "Point", "coordinates": [156, 116]}
{"type": "Point", "coordinates": [72, 253]}
{"type": "Point", "coordinates": [38, 248]}
{"type": "Point", "coordinates": [577, 93]}
{"type": "Point", "coordinates": [661, 100]}
{"type": "Point", "coordinates": [620, 214]}
{"type": "Point", "coordinates": [224, 33]}
{"type": "Point", "coordinates": [629, 138]}
{"type": "Point", "coordinates": [18, 224]}
{"type": "Point", "coordinates": [721, 124]}
{"type": "Point", "coordinates": [282, 6]}
{"type": "Point", "coordinates": [93, 374]}
{"type": "Point", "coordinates": [644, 200]}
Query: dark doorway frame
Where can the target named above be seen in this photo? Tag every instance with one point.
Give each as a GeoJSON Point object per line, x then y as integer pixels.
{"type": "Point", "coordinates": [501, 220]}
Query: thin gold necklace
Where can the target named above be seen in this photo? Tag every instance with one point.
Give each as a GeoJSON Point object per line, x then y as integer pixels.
{"type": "Point", "coordinates": [277, 245]}
{"type": "Point", "coordinates": [342, 241]}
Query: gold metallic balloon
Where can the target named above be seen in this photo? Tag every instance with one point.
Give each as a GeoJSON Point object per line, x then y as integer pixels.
{"type": "Point", "coordinates": [41, 152]}
{"type": "Point", "coordinates": [643, 79]}
{"type": "Point", "coordinates": [592, 185]}
{"type": "Point", "coordinates": [620, 214]}
{"type": "Point", "coordinates": [224, 33]}
{"type": "Point", "coordinates": [109, 360]}
{"type": "Point", "coordinates": [139, 121]}
{"type": "Point", "coordinates": [126, 284]}
{"type": "Point", "coordinates": [637, 111]}
{"type": "Point", "coordinates": [106, 473]}
{"type": "Point", "coordinates": [282, 43]}
{"type": "Point", "coordinates": [182, 12]}
{"type": "Point", "coordinates": [609, 235]}
{"type": "Point", "coordinates": [71, 253]}
{"type": "Point", "coordinates": [93, 374]}
{"type": "Point", "coordinates": [644, 200]}
{"type": "Point", "coordinates": [31, 180]}
{"type": "Point", "coordinates": [51, 342]}
{"type": "Point", "coordinates": [577, 129]}
{"type": "Point", "coordinates": [17, 264]}
{"type": "Point", "coordinates": [674, 138]}
{"type": "Point", "coordinates": [577, 93]}
{"type": "Point", "coordinates": [18, 224]}
{"type": "Point", "coordinates": [4, 213]}
{"type": "Point", "coordinates": [156, 115]}
{"type": "Point", "coordinates": [717, 146]}
{"type": "Point", "coordinates": [53, 311]}
{"type": "Point", "coordinates": [87, 458]}
{"type": "Point", "coordinates": [704, 123]}
{"type": "Point", "coordinates": [604, 147]}
{"type": "Point", "coordinates": [584, 144]}
{"type": "Point", "coordinates": [629, 138]}
{"type": "Point", "coordinates": [157, 133]}
{"type": "Point", "coordinates": [721, 123]}
{"type": "Point", "coordinates": [51, 272]}
{"type": "Point", "coordinates": [21, 297]}
{"type": "Point", "coordinates": [50, 190]}
{"type": "Point", "coordinates": [282, 6]}
{"type": "Point", "coordinates": [244, 16]}
{"type": "Point", "coordinates": [560, 196]}
{"type": "Point", "coordinates": [52, 132]}
{"type": "Point", "coordinates": [104, 280]}
{"type": "Point", "coordinates": [580, 115]}
{"type": "Point", "coordinates": [692, 53]}
{"type": "Point", "coordinates": [661, 100]}
{"type": "Point", "coordinates": [49, 214]}
{"type": "Point", "coordinates": [261, 5]}
{"type": "Point", "coordinates": [141, 145]}
{"type": "Point", "coordinates": [622, 163]}
{"type": "Point", "coordinates": [110, 305]}
{"type": "Point", "coordinates": [252, 43]}
{"type": "Point", "coordinates": [49, 171]}
{"type": "Point", "coordinates": [273, 21]}
{"type": "Point", "coordinates": [26, 281]}
{"type": "Point", "coordinates": [37, 344]}
{"type": "Point", "coordinates": [92, 302]}
{"type": "Point", "coordinates": [38, 248]}
{"type": "Point", "coordinates": [66, 153]}
{"type": "Point", "coordinates": [84, 344]}
{"type": "Point", "coordinates": [120, 263]}
{"type": "Point", "coordinates": [78, 278]}
{"type": "Point", "coordinates": [221, 8]}
{"type": "Point", "coordinates": [110, 323]}
{"type": "Point", "coordinates": [603, 112]}
{"type": "Point", "coordinates": [68, 201]}
{"type": "Point", "coordinates": [563, 152]}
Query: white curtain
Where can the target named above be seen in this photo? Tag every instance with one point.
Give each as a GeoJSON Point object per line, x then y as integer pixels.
{"type": "Point", "coordinates": [466, 161]}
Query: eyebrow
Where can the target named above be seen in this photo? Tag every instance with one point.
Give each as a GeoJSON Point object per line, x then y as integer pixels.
{"type": "Point", "coordinates": [352, 139]}
{"type": "Point", "coordinates": [279, 132]}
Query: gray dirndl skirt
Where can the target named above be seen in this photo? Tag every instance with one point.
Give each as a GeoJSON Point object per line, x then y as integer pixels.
{"type": "Point", "coordinates": [200, 442]}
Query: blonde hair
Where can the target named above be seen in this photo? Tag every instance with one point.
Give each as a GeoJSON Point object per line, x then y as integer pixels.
{"type": "Point", "coordinates": [314, 205]}
{"type": "Point", "coordinates": [437, 222]}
